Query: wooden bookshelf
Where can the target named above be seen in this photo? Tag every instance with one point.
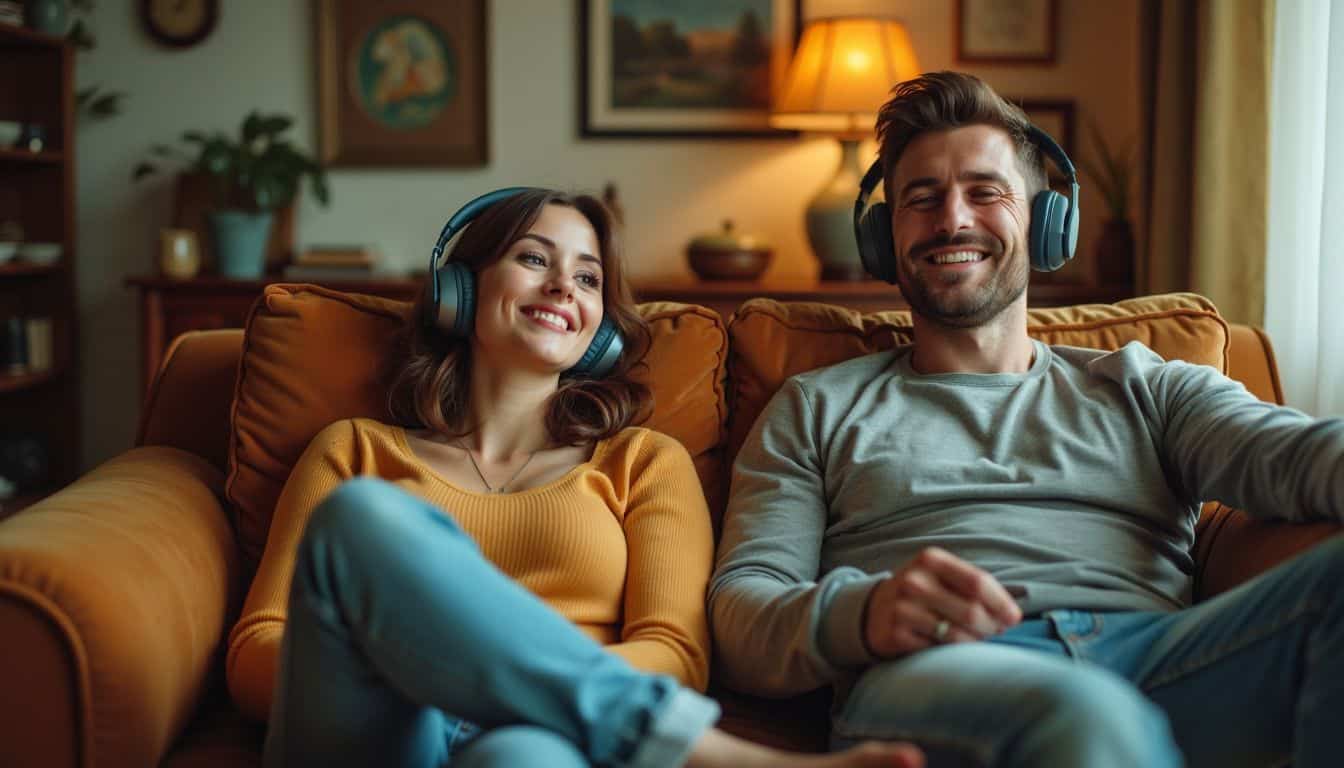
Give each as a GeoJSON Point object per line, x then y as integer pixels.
{"type": "Point", "coordinates": [37, 191]}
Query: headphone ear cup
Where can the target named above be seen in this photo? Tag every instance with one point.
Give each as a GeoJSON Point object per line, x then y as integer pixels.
{"type": "Point", "coordinates": [602, 354]}
{"type": "Point", "coordinates": [1048, 244]}
{"type": "Point", "coordinates": [875, 246]}
{"type": "Point", "coordinates": [455, 312]}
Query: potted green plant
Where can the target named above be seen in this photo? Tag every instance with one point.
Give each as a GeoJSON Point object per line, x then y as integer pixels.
{"type": "Point", "coordinates": [251, 176]}
{"type": "Point", "coordinates": [1113, 175]}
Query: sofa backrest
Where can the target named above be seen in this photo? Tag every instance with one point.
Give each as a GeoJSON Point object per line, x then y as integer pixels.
{"type": "Point", "coordinates": [309, 353]}
{"type": "Point", "coordinates": [312, 356]}
{"type": "Point", "coordinates": [770, 341]}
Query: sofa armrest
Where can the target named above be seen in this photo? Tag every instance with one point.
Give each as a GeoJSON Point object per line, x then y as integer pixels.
{"type": "Point", "coordinates": [188, 403]}
{"type": "Point", "coordinates": [114, 598]}
{"type": "Point", "coordinates": [1232, 547]}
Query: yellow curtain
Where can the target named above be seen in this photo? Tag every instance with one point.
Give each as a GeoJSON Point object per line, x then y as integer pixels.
{"type": "Point", "coordinates": [1231, 178]}
{"type": "Point", "coordinates": [1210, 151]}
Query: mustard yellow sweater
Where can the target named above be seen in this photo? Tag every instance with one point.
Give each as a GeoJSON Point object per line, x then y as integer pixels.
{"type": "Point", "coordinates": [620, 545]}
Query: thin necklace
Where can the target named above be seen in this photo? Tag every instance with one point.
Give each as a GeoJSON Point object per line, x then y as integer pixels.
{"type": "Point", "coordinates": [486, 483]}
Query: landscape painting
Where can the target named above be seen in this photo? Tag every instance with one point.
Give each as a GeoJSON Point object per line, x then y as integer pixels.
{"type": "Point", "coordinates": [659, 68]}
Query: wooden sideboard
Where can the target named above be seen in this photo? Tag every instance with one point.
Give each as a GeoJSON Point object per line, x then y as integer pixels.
{"type": "Point", "coordinates": [170, 307]}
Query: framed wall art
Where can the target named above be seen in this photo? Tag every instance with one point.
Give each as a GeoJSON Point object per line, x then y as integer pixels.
{"type": "Point", "coordinates": [1054, 116]}
{"type": "Point", "coordinates": [1006, 31]}
{"type": "Point", "coordinates": [402, 83]}
{"type": "Point", "coordinates": [649, 68]}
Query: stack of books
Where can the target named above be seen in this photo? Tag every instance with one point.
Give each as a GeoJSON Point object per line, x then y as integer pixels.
{"type": "Point", "coordinates": [333, 262]}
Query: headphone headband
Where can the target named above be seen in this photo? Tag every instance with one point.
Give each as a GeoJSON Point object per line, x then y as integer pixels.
{"type": "Point", "coordinates": [458, 221]}
{"type": "Point", "coordinates": [1052, 236]}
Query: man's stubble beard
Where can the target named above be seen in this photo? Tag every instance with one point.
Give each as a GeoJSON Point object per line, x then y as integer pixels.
{"type": "Point", "coordinates": [961, 309]}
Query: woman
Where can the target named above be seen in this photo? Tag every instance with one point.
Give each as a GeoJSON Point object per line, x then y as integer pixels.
{"type": "Point", "coordinates": [414, 633]}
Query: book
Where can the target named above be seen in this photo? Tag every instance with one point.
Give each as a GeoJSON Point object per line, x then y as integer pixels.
{"type": "Point", "coordinates": [336, 256]}
{"type": "Point", "coordinates": [311, 273]}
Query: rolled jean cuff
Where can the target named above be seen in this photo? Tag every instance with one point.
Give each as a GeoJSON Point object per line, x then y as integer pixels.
{"type": "Point", "coordinates": [675, 730]}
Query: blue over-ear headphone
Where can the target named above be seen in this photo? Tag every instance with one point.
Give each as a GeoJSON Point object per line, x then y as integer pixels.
{"type": "Point", "coordinates": [1051, 239]}
{"type": "Point", "coordinates": [450, 294]}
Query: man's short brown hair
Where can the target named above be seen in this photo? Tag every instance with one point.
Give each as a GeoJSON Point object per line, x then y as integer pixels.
{"type": "Point", "coordinates": [939, 101]}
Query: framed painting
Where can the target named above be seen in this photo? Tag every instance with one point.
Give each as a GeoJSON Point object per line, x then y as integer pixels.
{"type": "Point", "coordinates": [1006, 31]}
{"type": "Point", "coordinates": [1054, 116]}
{"type": "Point", "coordinates": [650, 68]}
{"type": "Point", "coordinates": [402, 83]}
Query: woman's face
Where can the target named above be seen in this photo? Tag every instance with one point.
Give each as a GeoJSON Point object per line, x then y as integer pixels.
{"type": "Point", "coordinates": [541, 302]}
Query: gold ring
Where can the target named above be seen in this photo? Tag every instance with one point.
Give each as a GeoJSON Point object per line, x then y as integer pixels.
{"type": "Point", "coordinates": [940, 631]}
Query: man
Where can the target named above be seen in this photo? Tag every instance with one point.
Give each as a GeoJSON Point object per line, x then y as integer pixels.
{"type": "Point", "coordinates": [984, 542]}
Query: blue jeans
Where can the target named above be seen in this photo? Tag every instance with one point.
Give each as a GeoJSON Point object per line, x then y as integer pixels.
{"type": "Point", "coordinates": [1253, 677]}
{"type": "Point", "coordinates": [404, 646]}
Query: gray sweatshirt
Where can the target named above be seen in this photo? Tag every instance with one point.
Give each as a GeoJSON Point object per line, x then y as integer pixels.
{"type": "Point", "coordinates": [1076, 485]}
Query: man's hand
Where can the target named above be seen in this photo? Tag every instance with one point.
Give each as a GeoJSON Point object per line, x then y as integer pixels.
{"type": "Point", "coordinates": [935, 598]}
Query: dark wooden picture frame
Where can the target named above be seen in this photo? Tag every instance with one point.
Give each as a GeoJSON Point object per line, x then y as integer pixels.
{"type": "Point", "coordinates": [706, 71]}
{"type": "Point", "coordinates": [377, 106]}
{"type": "Point", "coordinates": [1007, 31]}
{"type": "Point", "coordinates": [1055, 117]}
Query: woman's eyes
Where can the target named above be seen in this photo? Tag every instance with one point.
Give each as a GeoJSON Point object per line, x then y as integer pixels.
{"type": "Point", "coordinates": [589, 279]}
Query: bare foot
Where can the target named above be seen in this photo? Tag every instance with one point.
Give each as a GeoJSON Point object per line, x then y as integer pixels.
{"type": "Point", "coordinates": [873, 754]}
{"type": "Point", "coordinates": [717, 749]}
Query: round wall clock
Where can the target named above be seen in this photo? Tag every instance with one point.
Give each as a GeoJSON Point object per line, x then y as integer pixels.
{"type": "Point", "coordinates": [179, 23]}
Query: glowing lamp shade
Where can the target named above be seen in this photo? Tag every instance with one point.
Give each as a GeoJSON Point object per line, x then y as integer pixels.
{"type": "Point", "coordinates": [842, 72]}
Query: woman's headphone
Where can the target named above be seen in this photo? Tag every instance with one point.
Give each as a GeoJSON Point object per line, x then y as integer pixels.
{"type": "Point", "coordinates": [450, 294]}
{"type": "Point", "coordinates": [1051, 238]}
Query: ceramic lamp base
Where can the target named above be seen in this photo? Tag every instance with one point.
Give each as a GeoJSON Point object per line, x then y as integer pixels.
{"type": "Point", "coordinates": [830, 219]}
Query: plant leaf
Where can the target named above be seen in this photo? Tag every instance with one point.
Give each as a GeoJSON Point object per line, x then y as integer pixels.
{"type": "Point", "coordinates": [275, 124]}
{"type": "Point", "coordinates": [80, 36]}
{"type": "Point", "coordinates": [107, 105]}
{"type": "Point", "coordinates": [319, 185]}
{"type": "Point", "coordinates": [252, 127]}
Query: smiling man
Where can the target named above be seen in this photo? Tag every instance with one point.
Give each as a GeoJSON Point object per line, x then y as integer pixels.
{"type": "Point", "coordinates": [983, 542]}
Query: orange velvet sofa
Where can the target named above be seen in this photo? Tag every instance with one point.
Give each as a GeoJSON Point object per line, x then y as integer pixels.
{"type": "Point", "coordinates": [116, 593]}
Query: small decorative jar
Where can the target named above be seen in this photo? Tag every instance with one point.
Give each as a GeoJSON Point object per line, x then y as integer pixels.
{"type": "Point", "coordinates": [726, 255]}
{"type": "Point", "coordinates": [179, 253]}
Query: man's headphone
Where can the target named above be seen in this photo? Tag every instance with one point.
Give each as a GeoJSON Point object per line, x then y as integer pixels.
{"type": "Point", "coordinates": [1051, 239]}
{"type": "Point", "coordinates": [450, 294]}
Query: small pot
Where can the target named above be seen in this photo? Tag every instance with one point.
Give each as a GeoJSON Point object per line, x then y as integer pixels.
{"type": "Point", "coordinates": [726, 255]}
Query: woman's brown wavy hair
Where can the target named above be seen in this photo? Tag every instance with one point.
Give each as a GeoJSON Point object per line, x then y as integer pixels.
{"type": "Point", "coordinates": [430, 371]}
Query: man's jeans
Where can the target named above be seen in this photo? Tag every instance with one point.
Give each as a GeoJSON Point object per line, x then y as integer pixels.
{"type": "Point", "coordinates": [404, 646]}
{"type": "Point", "coordinates": [1253, 677]}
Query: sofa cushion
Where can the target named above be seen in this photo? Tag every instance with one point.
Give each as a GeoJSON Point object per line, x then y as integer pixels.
{"type": "Point", "coordinates": [771, 341]}
{"type": "Point", "coordinates": [313, 355]}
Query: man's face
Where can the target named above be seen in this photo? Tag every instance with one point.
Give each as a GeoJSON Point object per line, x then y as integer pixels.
{"type": "Point", "coordinates": [959, 217]}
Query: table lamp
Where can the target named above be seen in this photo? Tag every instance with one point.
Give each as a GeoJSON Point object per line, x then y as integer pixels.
{"type": "Point", "coordinates": [842, 72]}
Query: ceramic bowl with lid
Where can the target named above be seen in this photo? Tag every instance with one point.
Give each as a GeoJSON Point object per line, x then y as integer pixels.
{"type": "Point", "coordinates": [727, 255]}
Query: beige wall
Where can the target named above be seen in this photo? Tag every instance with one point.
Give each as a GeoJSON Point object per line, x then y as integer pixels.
{"type": "Point", "coordinates": [261, 56]}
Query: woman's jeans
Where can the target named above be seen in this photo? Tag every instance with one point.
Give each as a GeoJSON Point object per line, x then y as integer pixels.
{"type": "Point", "coordinates": [404, 646]}
{"type": "Point", "coordinates": [1253, 677]}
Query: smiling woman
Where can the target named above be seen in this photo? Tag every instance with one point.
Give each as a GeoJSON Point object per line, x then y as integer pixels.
{"type": "Point", "coordinates": [531, 541]}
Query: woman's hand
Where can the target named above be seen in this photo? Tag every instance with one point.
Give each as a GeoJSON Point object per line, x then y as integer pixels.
{"type": "Point", "coordinates": [935, 598]}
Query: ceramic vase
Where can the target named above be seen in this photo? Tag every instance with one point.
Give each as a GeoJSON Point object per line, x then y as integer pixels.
{"type": "Point", "coordinates": [240, 239]}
